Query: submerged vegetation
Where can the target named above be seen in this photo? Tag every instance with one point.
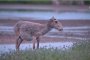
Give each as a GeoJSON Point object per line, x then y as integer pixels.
{"type": "Point", "coordinates": [80, 51]}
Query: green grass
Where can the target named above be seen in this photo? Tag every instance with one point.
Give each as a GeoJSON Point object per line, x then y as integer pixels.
{"type": "Point", "coordinates": [86, 2]}
{"type": "Point", "coordinates": [26, 1]}
{"type": "Point", "coordinates": [80, 51]}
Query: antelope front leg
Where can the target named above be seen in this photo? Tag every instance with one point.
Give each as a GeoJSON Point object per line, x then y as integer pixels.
{"type": "Point", "coordinates": [34, 39]}
{"type": "Point", "coordinates": [18, 42]}
{"type": "Point", "coordinates": [38, 39]}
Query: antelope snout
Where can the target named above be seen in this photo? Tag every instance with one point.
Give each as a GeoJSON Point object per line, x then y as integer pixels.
{"type": "Point", "coordinates": [60, 29]}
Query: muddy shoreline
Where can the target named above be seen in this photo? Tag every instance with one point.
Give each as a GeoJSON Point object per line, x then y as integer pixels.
{"type": "Point", "coordinates": [12, 40]}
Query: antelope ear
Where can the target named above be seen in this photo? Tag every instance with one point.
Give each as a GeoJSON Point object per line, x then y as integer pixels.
{"type": "Point", "coordinates": [53, 18]}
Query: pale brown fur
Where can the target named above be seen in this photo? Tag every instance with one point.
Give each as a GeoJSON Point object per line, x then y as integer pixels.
{"type": "Point", "coordinates": [26, 30]}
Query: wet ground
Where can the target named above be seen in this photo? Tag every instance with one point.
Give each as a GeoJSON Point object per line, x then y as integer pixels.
{"type": "Point", "coordinates": [60, 45]}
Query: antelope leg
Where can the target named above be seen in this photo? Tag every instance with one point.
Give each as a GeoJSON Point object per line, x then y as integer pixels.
{"type": "Point", "coordinates": [33, 40]}
{"type": "Point", "coordinates": [38, 39]}
{"type": "Point", "coordinates": [18, 42]}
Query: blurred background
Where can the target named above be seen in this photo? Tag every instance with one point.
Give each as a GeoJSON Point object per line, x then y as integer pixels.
{"type": "Point", "coordinates": [73, 14]}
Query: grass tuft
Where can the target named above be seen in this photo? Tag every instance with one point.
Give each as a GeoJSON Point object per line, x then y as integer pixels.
{"type": "Point", "coordinates": [80, 51]}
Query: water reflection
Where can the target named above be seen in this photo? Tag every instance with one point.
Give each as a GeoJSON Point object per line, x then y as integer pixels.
{"type": "Point", "coordinates": [60, 45]}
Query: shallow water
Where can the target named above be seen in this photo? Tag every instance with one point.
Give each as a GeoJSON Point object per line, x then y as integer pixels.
{"type": "Point", "coordinates": [60, 45]}
{"type": "Point", "coordinates": [79, 32]}
{"type": "Point", "coordinates": [43, 15]}
{"type": "Point", "coordinates": [65, 29]}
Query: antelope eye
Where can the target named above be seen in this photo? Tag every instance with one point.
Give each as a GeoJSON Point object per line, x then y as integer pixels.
{"type": "Point", "coordinates": [55, 21]}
